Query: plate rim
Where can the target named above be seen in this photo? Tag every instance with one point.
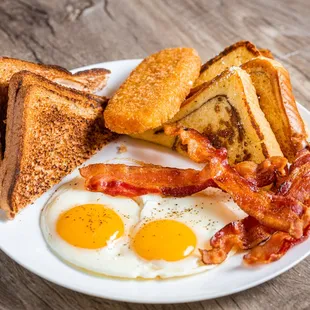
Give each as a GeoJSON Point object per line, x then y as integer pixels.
{"type": "Point", "coordinates": [166, 300]}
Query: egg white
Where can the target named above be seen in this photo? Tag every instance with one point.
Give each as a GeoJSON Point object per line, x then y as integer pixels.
{"type": "Point", "coordinates": [204, 214]}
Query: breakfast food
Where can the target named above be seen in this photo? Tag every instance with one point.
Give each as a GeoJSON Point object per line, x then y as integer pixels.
{"type": "Point", "coordinates": [226, 110]}
{"type": "Point", "coordinates": [118, 237]}
{"type": "Point", "coordinates": [27, 78]}
{"type": "Point", "coordinates": [149, 221]}
{"type": "Point", "coordinates": [232, 56]}
{"type": "Point", "coordinates": [266, 53]}
{"type": "Point", "coordinates": [132, 181]}
{"type": "Point", "coordinates": [91, 81]}
{"type": "Point", "coordinates": [276, 99]}
{"type": "Point", "coordinates": [153, 92]}
{"type": "Point", "coordinates": [277, 220]}
{"type": "Point", "coordinates": [50, 131]}
{"type": "Point", "coordinates": [285, 213]}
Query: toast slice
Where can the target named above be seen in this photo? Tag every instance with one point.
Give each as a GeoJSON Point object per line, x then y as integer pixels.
{"type": "Point", "coordinates": [50, 131]}
{"type": "Point", "coordinates": [91, 81]}
{"type": "Point", "coordinates": [226, 110]}
{"type": "Point", "coordinates": [232, 56]}
{"type": "Point", "coordinates": [26, 78]}
{"type": "Point", "coordinates": [274, 90]}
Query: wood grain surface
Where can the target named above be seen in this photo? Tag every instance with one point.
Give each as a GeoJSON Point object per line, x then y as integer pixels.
{"type": "Point", "coordinates": [74, 33]}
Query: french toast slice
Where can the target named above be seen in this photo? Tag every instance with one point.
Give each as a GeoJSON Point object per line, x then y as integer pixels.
{"type": "Point", "coordinates": [232, 56]}
{"type": "Point", "coordinates": [91, 81]}
{"type": "Point", "coordinates": [266, 53]}
{"type": "Point", "coordinates": [49, 133]}
{"type": "Point", "coordinates": [274, 90]}
{"type": "Point", "coordinates": [226, 110]}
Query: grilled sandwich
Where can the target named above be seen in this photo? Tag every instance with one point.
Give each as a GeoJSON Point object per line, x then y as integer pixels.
{"type": "Point", "coordinates": [227, 111]}
{"type": "Point", "coordinates": [50, 131]}
{"type": "Point", "coordinates": [89, 81]}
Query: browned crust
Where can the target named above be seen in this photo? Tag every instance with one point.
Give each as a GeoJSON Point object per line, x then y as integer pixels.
{"type": "Point", "coordinates": [27, 78]}
{"type": "Point", "coordinates": [16, 156]}
{"type": "Point", "coordinates": [248, 45]}
{"type": "Point", "coordinates": [224, 75]}
{"type": "Point", "coordinates": [279, 75]}
{"type": "Point", "coordinates": [153, 92]}
{"type": "Point", "coordinates": [266, 53]}
{"type": "Point", "coordinates": [256, 127]}
{"type": "Point", "coordinates": [204, 88]}
{"type": "Point", "coordinates": [19, 61]}
{"type": "Point", "coordinates": [90, 80]}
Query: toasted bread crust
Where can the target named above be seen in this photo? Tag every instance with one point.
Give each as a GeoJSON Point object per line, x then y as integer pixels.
{"type": "Point", "coordinates": [273, 87]}
{"type": "Point", "coordinates": [266, 53]}
{"type": "Point", "coordinates": [91, 81]}
{"type": "Point", "coordinates": [245, 51]}
{"type": "Point", "coordinates": [49, 134]}
{"type": "Point", "coordinates": [27, 78]}
{"type": "Point", "coordinates": [252, 137]}
{"type": "Point", "coordinates": [153, 92]}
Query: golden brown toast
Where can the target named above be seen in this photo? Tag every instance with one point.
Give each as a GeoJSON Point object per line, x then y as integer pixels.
{"type": "Point", "coordinates": [232, 56]}
{"type": "Point", "coordinates": [226, 110]}
{"type": "Point", "coordinates": [153, 92]}
{"type": "Point", "coordinates": [274, 90]}
{"type": "Point", "coordinates": [89, 81]}
{"type": "Point", "coordinates": [50, 131]}
{"type": "Point", "coordinates": [27, 78]}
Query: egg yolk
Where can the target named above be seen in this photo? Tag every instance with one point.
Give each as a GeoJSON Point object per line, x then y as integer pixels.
{"type": "Point", "coordinates": [168, 240]}
{"type": "Point", "coordinates": [89, 226]}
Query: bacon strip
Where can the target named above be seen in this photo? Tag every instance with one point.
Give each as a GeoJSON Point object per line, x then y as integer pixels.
{"type": "Point", "coordinates": [277, 212]}
{"type": "Point", "coordinates": [270, 171]}
{"type": "Point", "coordinates": [131, 181]}
{"type": "Point", "coordinates": [241, 235]}
{"type": "Point", "coordinates": [274, 248]}
{"type": "Point", "coordinates": [286, 211]}
{"type": "Point", "coordinates": [296, 186]}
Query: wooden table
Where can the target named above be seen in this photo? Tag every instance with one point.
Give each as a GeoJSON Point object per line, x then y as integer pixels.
{"type": "Point", "coordinates": [74, 33]}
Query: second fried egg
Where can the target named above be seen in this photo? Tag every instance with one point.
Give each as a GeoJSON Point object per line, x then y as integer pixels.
{"type": "Point", "coordinates": [144, 238]}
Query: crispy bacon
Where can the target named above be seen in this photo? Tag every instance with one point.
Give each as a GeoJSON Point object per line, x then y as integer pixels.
{"type": "Point", "coordinates": [296, 186]}
{"type": "Point", "coordinates": [270, 171]}
{"type": "Point", "coordinates": [131, 181]}
{"type": "Point", "coordinates": [279, 243]}
{"type": "Point", "coordinates": [281, 213]}
{"type": "Point", "coordinates": [276, 222]}
{"type": "Point", "coordinates": [241, 235]}
{"type": "Point", "coordinates": [274, 248]}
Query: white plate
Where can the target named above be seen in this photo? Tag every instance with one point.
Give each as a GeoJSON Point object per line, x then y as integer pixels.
{"type": "Point", "coordinates": [22, 240]}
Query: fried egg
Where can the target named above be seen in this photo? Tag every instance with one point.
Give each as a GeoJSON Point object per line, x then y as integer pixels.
{"type": "Point", "coordinates": [147, 237]}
